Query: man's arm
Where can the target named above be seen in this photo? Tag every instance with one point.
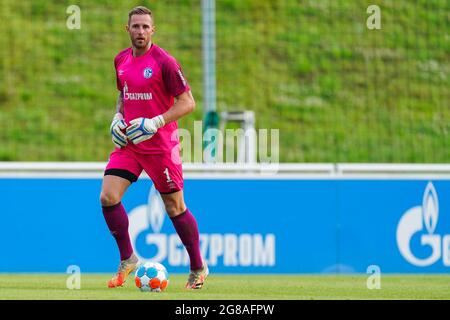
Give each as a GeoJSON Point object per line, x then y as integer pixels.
{"type": "Point", "coordinates": [119, 104]}
{"type": "Point", "coordinates": [118, 124]}
{"type": "Point", "coordinates": [142, 129]}
{"type": "Point", "coordinates": [184, 104]}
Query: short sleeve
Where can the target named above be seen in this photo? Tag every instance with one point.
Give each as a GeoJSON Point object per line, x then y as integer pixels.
{"type": "Point", "coordinates": [173, 78]}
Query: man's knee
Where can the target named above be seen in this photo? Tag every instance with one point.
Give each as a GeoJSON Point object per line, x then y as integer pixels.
{"type": "Point", "coordinates": [174, 207]}
{"type": "Point", "coordinates": [108, 199]}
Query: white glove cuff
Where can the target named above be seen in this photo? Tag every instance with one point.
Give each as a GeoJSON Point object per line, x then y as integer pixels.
{"type": "Point", "coordinates": [159, 121]}
{"type": "Point", "coordinates": [118, 116]}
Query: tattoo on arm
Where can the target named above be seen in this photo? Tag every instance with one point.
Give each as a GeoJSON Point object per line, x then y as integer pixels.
{"type": "Point", "coordinates": [119, 105]}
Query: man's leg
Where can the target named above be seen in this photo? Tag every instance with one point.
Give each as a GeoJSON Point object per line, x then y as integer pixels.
{"type": "Point", "coordinates": [166, 172]}
{"type": "Point", "coordinates": [115, 215]}
{"type": "Point", "coordinates": [187, 229]}
{"type": "Point", "coordinates": [116, 218]}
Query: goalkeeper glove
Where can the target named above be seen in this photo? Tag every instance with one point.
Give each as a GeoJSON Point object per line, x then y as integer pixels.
{"type": "Point", "coordinates": [117, 125]}
{"type": "Point", "coordinates": [142, 129]}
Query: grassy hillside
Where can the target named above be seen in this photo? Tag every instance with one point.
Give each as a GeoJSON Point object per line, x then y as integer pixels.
{"type": "Point", "coordinates": [337, 91]}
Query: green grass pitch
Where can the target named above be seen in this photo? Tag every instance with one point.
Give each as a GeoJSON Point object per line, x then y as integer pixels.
{"type": "Point", "coordinates": [231, 287]}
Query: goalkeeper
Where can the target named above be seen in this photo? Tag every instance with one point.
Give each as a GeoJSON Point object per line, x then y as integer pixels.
{"type": "Point", "coordinates": [153, 95]}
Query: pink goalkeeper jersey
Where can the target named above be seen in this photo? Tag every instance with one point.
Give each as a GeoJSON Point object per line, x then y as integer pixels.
{"type": "Point", "coordinates": [149, 84]}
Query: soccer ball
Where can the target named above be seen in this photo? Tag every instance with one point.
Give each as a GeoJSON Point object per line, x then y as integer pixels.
{"type": "Point", "coordinates": [151, 276]}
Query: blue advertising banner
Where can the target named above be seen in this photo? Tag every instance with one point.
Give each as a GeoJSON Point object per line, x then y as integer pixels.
{"type": "Point", "coordinates": [246, 225]}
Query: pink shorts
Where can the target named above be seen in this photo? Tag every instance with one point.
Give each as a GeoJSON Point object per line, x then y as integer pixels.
{"type": "Point", "coordinates": [165, 172]}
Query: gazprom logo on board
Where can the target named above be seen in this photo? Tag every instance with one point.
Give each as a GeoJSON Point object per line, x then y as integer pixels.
{"type": "Point", "coordinates": [230, 249]}
{"type": "Point", "coordinates": [420, 222]}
